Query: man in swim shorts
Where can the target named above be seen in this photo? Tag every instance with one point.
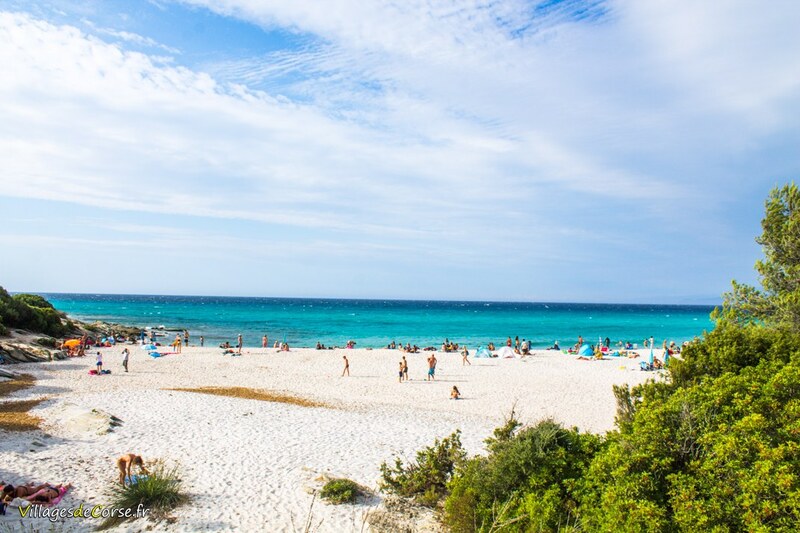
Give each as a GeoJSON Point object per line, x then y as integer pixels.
{"type": "Point", "coordinates": [432, 368]}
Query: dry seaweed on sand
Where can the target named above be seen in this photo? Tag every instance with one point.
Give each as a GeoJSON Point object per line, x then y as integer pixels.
{"type": "Point", "coordinates": [255, 394]}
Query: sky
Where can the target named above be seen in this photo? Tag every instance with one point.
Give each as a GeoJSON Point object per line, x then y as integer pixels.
{"type": "Point", "coordinates": [562, 151]}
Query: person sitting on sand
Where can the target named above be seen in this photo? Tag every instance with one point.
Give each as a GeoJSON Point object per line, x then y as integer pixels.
{"type": "Point", "coordinates": [126, 462]}
{"type": "Point", "coordinates": [490, 347]}
{"type": "Point", "coordinates": [455, 394]}
{"type": "Point", "coordinates": [464, 357]}
{"type": "Point", "coordinates": [285, 347]}
{"type": "Point", "coordinates": [319, 346]}
{"type": "Point", "coordinates": [346, 366]}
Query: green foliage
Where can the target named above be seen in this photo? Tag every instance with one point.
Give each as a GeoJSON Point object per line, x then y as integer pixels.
{"type": "Point", "coordinates": [339, 491]}
{"type": "Point", "coordinates": [159, 493]}
{"type": "Point", "coordinates": [778, 303]}
{"type": "Point", "coordinates": [30, 312]}
{"type": "Point", "coordinates": [527, 483]}
{"type": "Point", "coordinates": [425, 480]}
{"type": "Point", "coordinates": [33, 300]}
{"type": "Point", "coordinates": [721, 454]}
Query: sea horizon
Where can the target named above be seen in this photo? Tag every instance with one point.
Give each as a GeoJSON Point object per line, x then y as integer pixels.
{"type": "Point", "coordinates": [374, 322]}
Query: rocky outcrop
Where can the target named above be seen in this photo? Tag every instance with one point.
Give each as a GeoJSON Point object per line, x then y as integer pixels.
{"type": "Point", "coordinates": [13, 351]}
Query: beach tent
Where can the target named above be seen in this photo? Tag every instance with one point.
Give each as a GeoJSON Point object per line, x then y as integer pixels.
{"type": "Point", "coordinates": [585, 350]}
{"type": "Point", "coordinates": [483, 352]}
{"type": "Point", "coordinates": [505, 351]}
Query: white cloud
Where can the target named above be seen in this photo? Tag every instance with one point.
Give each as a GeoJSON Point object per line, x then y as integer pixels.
{"type": "Point", "coordinates": [442, 126]}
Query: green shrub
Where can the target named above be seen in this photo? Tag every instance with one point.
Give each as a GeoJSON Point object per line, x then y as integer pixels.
{"type": "Point", "coordinates": [33, 300]}
{"type": "Point", "coordinates": [32, 313]}
{"type": "Point", "coordinates": [160, 492]}
{"type": "Point", "coordinates": [527, 482]}
{"type": "Point", "coordinates": [339, 491]}
{"type": "Point", "coordinates": [425, 480]}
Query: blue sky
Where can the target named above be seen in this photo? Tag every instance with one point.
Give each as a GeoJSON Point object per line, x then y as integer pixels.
{"type": "Point", "coordinates": [574, 150]}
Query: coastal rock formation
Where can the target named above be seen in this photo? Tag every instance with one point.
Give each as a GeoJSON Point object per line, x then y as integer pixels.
{"type": "Point", "coordinates": [16, 351]}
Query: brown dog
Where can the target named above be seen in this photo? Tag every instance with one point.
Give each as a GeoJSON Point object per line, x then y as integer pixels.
{"type": "Point", "coordinates": [126, 462]}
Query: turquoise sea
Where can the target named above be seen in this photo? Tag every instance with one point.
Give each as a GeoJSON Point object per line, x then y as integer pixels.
{"type": "Point", "coordinates": [375, 323]}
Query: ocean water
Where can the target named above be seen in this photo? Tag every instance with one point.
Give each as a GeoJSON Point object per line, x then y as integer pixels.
{"type": "Point", "coordinates": [375, 323]}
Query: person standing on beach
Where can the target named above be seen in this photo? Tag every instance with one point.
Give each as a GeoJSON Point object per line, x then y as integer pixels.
{"type": "Point", "coordinates": [125, 354]}
{"type": "Point", "coordinates": [202, 341]}
{"type": "Point", "coordinates": [405, 368]}
{"type": "Point", "coordinates": [186, 337]}
{"type": "Point", "coordinates": [432, 368]}
{"type": "Point", "coordinates": [508, 342]}
{"type": "Point", "coordinates": [176, 344]}
{"type": "Point", "coordinates": [346, 366]}
{"type": "Point", "coordinates": [264, 341]}
{"type": "Point", "coordinates": [239, 343]}
{"type": "Point", "coordinates": [99, 362]}
{"type": "Point", "coordinates": [400, 373]}
{"type": "Point", "coordinates": [464, 356]}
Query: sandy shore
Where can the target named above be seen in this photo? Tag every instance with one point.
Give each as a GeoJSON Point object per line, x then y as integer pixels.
{"type": "Point", "coordinates": [247, 463]}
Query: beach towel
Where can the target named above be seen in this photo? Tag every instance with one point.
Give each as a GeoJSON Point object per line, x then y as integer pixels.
{"type": "Point", "coordinates": [134, 479]}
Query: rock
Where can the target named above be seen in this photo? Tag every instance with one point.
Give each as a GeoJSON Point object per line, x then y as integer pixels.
{"type": "Point", "coordinates": [81, 420]}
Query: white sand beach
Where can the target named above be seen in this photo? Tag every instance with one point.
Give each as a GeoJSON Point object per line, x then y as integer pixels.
{"type": "Point", "coordinates": [253, 465]}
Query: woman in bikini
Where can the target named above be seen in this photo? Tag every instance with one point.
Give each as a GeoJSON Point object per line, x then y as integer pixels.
{"type": "Point", "coordinates": [48, 494]}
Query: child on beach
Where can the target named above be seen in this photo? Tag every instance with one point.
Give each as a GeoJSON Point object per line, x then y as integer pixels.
{"type": "Point", "coordinates": [346, 366]}
{"type": "Point", "coordinates": [400, 373]}
{"type": "Point", "coordinates": [125, 354]}
{"type": "Point", "coordinates": [455, 394]}
{"type": "Point", "coordinates": [99, 363]}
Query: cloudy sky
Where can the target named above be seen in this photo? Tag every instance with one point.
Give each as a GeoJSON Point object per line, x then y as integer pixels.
{"type": "Point", "coordinates": [573, 150]}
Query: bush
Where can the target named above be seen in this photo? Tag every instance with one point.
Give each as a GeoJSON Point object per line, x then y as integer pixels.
{"type": "Point", "coordinates": [720, 453]}
{"type": "Point", "coordinates": [33, 300]}
{"type": "Point", "coordinates": [339, 491]}
{"type": "Point", "coordinates": [527, 482]}
{"type": "Point", "coordinates": [425, 480]}
{"type": "Point", "coordinates": [159, 493]}
{"type": "Point", "coordinates": [32, 313]}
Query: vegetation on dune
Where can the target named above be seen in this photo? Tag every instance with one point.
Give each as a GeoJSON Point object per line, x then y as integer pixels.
{"type": "Point", "coordinates": [159, 493]}
{"type": "Point", "coordinates": [714, 447]}
{"type": "Point", "coordinates": [425, 480]}
{"type": "Point", "coordinates": [338, 491]}
{"type": "Point", "coordinates": [32, 313]}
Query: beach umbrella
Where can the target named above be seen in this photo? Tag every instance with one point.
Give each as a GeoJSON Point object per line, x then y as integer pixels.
{"type": "Point", "coordinates": [72, 342]}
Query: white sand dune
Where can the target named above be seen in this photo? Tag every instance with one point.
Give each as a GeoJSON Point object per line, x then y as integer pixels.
{"type": "Point", "coordinates": [252, 465]}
